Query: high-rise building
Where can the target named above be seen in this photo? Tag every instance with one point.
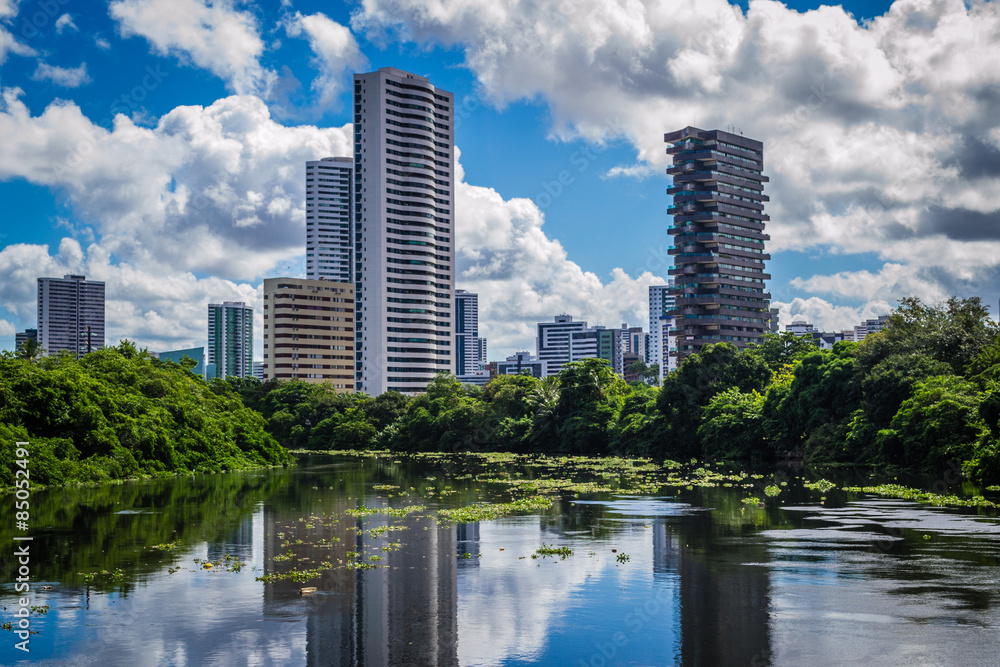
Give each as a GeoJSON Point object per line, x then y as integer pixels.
{"type": "Point", "coordinates": [22, 337]}
{"type": "Point", "coordinates": [660, 323]}
{"type": "Point", "coordinates": [329, 220]}
{"type": "Point", "coordinates": [70, 315]}
{"type": "Point", "coordinates": [230, 339]}
{"type": "Point", "coordinates": [565, 340]}
{"type": "Point", "coordinates": [718, 229]}
{"type": "Point", "coordinates": [404, 230]}
{"type": "Point", "coordinates": [309, 331]}
{"type": "Point", "coordinates": [195, 354]}
{"type": "Point", "coordinates": [470, 348]}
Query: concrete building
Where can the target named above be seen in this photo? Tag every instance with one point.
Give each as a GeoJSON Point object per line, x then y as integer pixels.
{"type": "Point", "coordinates": [660, 323]}
{"type": "Point", "coordinates": [718, 229]}
{"type": "Point", "coordinates": [404, 230]}
{"type": "Point", "coordinates": [565, 340]}
{"type": "Point", "coordinates": [70, 315]}
{"type": "Point", "coordinates": [470, 347]}
{"type": "Point", "coordinates": [230, 339]}
{"type": "Point", "coordinates": [258, 370]}
{"type": "Point", "coordinates": [309, 331]}
{"type": "Point", "coordinates": [800, 328]}
{"type": "Point", "coordinates": [329, 219]}
{"type": "Point", "coordinates": [196, 354]}
{"type": "Point", "coordinates": [22, 337]}
{"type": "Point", "coordinates": [523, 363]}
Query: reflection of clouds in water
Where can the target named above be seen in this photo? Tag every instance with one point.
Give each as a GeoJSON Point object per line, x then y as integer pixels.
{"type": "Point", "coordinates": [922, 597]}
{"type": "Point", "coordinates": [899, 515]}
{"type": "Point", "coordinates": [509, 608]}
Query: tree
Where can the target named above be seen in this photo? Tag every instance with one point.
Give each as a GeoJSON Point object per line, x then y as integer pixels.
{"type": "Point", "coordinates": [777, 350]}
{"type": "Point", "coordinates": [30, 350]}
{"type": "Point", "coordinates": [732, 426]}
{"type": "Point", "coordinates": [691, 387]}
{"type": "Point", "coordinates": [589, 398]}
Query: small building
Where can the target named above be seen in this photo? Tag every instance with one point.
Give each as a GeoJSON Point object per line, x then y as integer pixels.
{"type": "Point", "coordinates": [196, 354]}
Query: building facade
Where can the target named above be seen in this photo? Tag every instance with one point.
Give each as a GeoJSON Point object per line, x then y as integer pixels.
{"type": "Point", "coordinates": [329, 219]}
{"type": "Point", "coordinates": [404, 230]}
{"type": "Point", "coordinates": [230, 339]}
{"type": "Point", "coordinates": [470, 347]}
{"type": "Point", "coordinates": [70, 315]}
{"type": "Point", "coordinates": [718, 239]}
{"type": "Point", "coordinates": [22, 337]}
{"type": "Point", "coordinates": [522, 363]}
{"type": "Point", "coordinates": [565, 340]}
{"type": "Point", "coordinates": [660, 323]}
{"type": "Point", "coordinates": [309, 331]}
{"type": "Point", "coordinates": [196, 354]}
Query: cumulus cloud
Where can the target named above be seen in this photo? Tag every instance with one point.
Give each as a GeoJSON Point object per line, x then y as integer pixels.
{"type": "Point", "coordinates": [881, 137]}
{"type": "Point", "coordinates": [336, 53]}
{"type": "Point", "coordinates": [67, 77]}
{"type": "Point", "coordinates": [65, 22]}
{"type": "Point", "coordinates": [637, 171]}
{"type": "Point", "coordinates": [224, 183]}
{"type": "Point", "coordinates": [8, 42]}
{"type": "Point", "coordinates": [828, 317]}
{"type": "Point", "coordinates": [524, 277]}
{"type": "Point", "coordinates": [158, 309]}
{"type": "Point", "coordinates": [212, 35]}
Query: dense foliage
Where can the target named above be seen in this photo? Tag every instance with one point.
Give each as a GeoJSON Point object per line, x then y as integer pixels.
{"type": "Point", "coordinates": [923, 395]}
{"type": "Point", "coordinates": [118, 413]}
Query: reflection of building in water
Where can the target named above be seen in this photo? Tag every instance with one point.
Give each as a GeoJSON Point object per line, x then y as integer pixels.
{"type": "Point", "coordinates": [467, 535]}
{"type": "Point", "coordinates": [724, 598]}
{"type": "Point", "coordinates": [406, 614]}
{"type": "Point", "coordinates": [239, 543]}
{"type": "Point", "coordinates": [666, 549]}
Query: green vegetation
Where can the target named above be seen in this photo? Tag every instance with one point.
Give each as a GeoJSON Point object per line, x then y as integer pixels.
{"type": "Point", "coordinates": [118, 414]}
{"type": "Point", "coordinates": [923, 396]}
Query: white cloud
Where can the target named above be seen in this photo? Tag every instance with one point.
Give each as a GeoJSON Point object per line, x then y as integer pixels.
{"type": "Point", "coordinates": [223, 183]}
{"type": "Point", "coordinates": [67, 77]}
{"type": "Point", "coordinates": [102, 43]}
{"type": "Point", "coordinates": [213, 35]}
{"type": "Point", "coordinates": [637, 171]}
{"type": "Point", "coordinates": [8, 42]}
{"type": "Point", "coordinates": [881, 137]}
{"type": "Point", "coordinates": [65, 22]}
{"type": "Point", "coordinates": [336, 52]}
{"type": "Point", "coordinates": [893, 281]}
{"type": "Point", "coordinates": [523, 277]}
{"type": "Point", "coordinates": [825, 316]}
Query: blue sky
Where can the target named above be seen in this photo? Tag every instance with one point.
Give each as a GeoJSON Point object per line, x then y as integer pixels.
{"type": "Point", "coordinates": [158, 145]}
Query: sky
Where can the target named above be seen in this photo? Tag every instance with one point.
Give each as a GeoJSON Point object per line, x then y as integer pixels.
{"type": "Point", "coordinates": [159, 146]}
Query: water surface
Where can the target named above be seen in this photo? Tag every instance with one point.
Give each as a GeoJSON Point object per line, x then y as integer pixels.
{"type": "Point", "coordinates": [681, 576]}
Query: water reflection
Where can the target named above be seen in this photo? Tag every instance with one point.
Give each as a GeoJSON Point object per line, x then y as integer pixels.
{"type": "Point", "coordinates": [694, 579]}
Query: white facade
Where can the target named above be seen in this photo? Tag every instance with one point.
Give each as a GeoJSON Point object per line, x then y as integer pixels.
{"type": "Point", "coordinates": [523, 363]}
{"type": "Point", "coordinates": [230, 339]}
{"type": "Point", "coordinates": [470, 348]}
{"type": "Point", "coordinates": [800, 328]}
{"type": "Point", "coordinates": [660, 340]}
{"type": "Point", "coordinates": [565, 340]}
{"type": "Point", "coordinates": [70, 315]}
{"type": "Point", "coordinates": [329, 246]}
{"type": "Point", "coordinates": [404, 219]}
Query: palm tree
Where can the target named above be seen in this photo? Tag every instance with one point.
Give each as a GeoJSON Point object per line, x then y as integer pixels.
{"type": "Point", "coordinates": [30, 350]}
{"type": "Point", "coordinates": [543, 401]}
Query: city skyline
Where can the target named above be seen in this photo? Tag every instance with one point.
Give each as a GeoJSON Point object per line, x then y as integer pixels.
{"type": "Point", "coordinates": [194, 194]}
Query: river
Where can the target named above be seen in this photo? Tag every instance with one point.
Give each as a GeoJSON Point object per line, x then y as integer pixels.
{"type": "Point", "coordinates": [675, 575]}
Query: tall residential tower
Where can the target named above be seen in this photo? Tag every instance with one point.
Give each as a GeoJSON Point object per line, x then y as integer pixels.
{"type": "Point", "coordinates": [329, 247]}
{"type": "Point", "coordinates": [718, 231]}
{"type": "Point", "coordinates": [404, 230]}
{"type": "Point", "coordinates": [70, 315]}
{"type": "Point", "coordinates": [470, 348]}
{"type": "Point", "coordinates": [230, 339]}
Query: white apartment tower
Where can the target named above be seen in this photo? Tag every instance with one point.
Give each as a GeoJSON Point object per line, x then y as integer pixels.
{"type": "Point", "coordinates": [70, 315]}
{"type": "Point", "coordinates": [404, 230]}
{"type": "Point", "coordinates": [470, 348]}
{"type": "Point", "coordinates": [230, 339]}
{"type": "Point", "coordinates": [660, 340]}
{"type": "Point", "coordinates": [329, 246]}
